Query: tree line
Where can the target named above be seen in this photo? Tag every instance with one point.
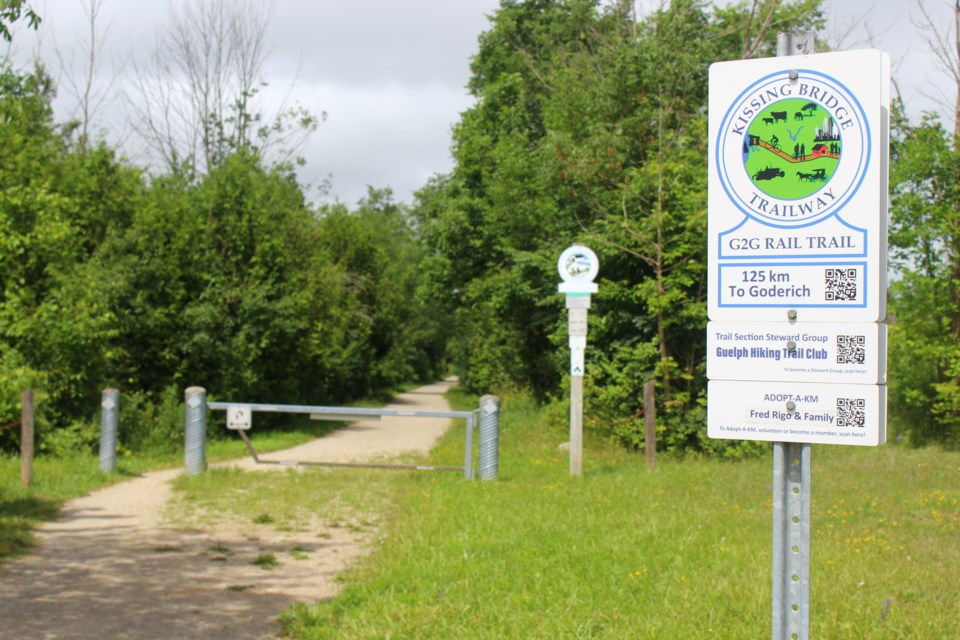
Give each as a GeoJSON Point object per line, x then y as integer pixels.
{"type": "Point", "coordinates": [589, 125]}
{"type": "Point", "coordinates": [227, 279]}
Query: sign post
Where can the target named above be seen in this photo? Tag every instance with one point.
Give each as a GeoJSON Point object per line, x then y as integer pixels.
{"type": "Point", "coordinates": [797, 234]}
{"type": "Point", "coordinates": [578, 267]}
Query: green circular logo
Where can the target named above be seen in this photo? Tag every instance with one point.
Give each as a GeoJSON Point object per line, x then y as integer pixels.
{"type": "Point", "coordinates": [791, 149]}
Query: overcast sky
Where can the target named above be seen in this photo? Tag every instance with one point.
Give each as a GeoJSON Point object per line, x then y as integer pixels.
{"type": "Point", "coordinates": [390, 74]}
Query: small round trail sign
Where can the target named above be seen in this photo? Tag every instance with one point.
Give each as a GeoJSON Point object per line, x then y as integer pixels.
{"type": "Point", "coordinates": [578, 267]}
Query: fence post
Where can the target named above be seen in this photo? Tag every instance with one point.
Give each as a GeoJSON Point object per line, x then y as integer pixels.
{"type": "Point", "coordinates": [26, 437]}
{"type": "Point", "coordinates": [650, 423]}
{"type": "Point", "coordinates": [196, 430]}
{"type": "Point", "coordinates": [110, 405]}
{"type": "Point", "coordinates": [489, 437]}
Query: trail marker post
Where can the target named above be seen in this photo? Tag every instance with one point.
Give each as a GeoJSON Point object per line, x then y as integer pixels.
{"type": "Point", "coordinates": [578, 267]}
{"type": "Point", "coordinates": [109, 419]}
{"type": "Point", "coordinates": [797, 244]}
{"type": "Point", "coordinates": [26, 437]}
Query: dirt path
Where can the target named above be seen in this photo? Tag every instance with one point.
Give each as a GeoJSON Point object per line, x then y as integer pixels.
{"type": "Point", "coordinates": [110, 568]}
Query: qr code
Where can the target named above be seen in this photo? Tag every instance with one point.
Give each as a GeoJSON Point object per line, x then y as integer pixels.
{"type": "Point", "coordinates": [850, 349]}
{"type": "Point", "coordinates": [841, 284]}
{"type": "Point", "coordinates": [851, 412]}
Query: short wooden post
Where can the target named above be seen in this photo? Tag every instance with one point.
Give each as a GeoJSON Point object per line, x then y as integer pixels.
{"type": "Point", "coordinates": [650, 422]}
{"type": "Point", "coordinates": [26, 437]}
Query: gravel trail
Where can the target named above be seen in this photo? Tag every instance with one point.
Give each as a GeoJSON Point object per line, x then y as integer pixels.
{"type": "Point", "coordinates": [110, 567]}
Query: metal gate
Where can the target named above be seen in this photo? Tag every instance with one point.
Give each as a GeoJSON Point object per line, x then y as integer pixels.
{"type": "Point", "coordinates": [353, 413]}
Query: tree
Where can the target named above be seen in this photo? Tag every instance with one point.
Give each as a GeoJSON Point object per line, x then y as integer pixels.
{"type": "Point", "coordinates": [749, 28]}
{"type": "Point", "coordinates": [589, 126]}
{"type": "Point", "coordinates": [925, 247]}
{"type": "Point", "coordinates": [89, 96]}
{"type": "Point", "coordinates": [56, 208]}
{"type": "Point", "coordinates": [14, 10]}
{"type": "Point", "coordinates": [943, 42]}
{"type": "Point", "coordinates": [925, 250]}
{"type": "Point", "coordinates": [196, 99]}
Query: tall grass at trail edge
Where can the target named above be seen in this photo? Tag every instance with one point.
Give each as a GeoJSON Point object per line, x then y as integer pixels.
{"type": "Point", "coordinates": [679, 552]}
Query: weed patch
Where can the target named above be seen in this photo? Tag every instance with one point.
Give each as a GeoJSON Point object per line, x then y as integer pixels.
{"type": "Point", "coordinates": [266, 561]}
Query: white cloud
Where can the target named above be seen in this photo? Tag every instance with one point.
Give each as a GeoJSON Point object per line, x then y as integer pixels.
{"type": "Point", "coordinates": [391, 75]}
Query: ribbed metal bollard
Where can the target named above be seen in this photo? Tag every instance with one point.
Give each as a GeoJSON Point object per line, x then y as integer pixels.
{"type": "Point", "coordinates": [110, 406]}
{"type": "Point", "coordinates": [196, 419]}
{"type": "Point", "coordinates": [489, 437]}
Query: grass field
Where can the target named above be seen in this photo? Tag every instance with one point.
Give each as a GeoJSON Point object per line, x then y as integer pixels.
{"type": "Point", "coordinates": [679, 552]}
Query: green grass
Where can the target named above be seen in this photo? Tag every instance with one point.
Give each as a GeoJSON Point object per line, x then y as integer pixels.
{"type": "Point", "coordinates": [266, 561]}
{"type": "Point", "coordinates": [287, 500]}
{"type": "Point", "coordinates": [679, 552]}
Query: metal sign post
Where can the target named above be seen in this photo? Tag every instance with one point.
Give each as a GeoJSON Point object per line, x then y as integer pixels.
{"type": "Point", "coordinates": [578, 266]}
{"type": "Point", "coordinates": [797, 243]}
{"type": "Point", "coordinates": [791, 541]}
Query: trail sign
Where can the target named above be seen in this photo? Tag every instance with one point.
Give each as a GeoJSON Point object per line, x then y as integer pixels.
{"type": "Point", "coordinates": [797, 187]}
{"type": "Point", "coordinates": [578, 267]}
{"type": "Point", "coordinates": [824, 352]}
{"type": "Point", "coordinates": [850, 414]}
{"type": "Point", "coordinates": [239, 418]}
{"type": "Point", "coordinates": [797, 227]}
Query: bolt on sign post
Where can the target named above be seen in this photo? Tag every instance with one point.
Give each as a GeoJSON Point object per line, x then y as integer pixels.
{"type": "Point", "coordinates": [578, 267]}
{"type": "Point", "coordinates": [797, 245]}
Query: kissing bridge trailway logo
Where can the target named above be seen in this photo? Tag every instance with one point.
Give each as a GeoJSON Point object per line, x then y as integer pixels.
{"type": "Point", "coordinates": [792, 152]}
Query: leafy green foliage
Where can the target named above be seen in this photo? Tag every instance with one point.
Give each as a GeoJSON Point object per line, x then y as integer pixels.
{"type": "Point", "coordinates": [13, 10]}
{"type": "Point", "coordinates": [590, 126]}
{"type": "Point", "coordinates": [229, 280]}
{"type": "Point", "coordinates": [925, 299]}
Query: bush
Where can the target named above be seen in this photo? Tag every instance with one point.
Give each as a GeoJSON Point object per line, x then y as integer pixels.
{"type": "Point", "coordinates": [152, 424]}
{"type": "Point", "coordinates": [78, 437]}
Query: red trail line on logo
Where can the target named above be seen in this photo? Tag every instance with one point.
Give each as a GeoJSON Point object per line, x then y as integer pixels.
{"type": "Point", "coordinates": [789, 158]}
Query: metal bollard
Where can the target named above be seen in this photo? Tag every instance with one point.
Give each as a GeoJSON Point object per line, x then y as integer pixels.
{"type": "Point", "coordinates": [489, 437]}
{"type": "Point", "coordinates": [110, 405]}
{"type": "Point", "coordinates": [196, 421]}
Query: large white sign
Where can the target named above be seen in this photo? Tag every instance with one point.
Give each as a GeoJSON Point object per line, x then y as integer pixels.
{"type": "Point", "coordinates": [842, 352]}
{"type": "Point", "coordinates": [797, 187]}
{"type": "Point", "coordinates": [850, 414]}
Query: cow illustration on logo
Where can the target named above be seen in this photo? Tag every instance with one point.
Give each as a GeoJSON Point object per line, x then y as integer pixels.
{"type": "Point", "coordinates": [791, 151]}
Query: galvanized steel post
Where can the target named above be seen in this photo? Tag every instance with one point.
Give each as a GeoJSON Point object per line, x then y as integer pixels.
{"type": "Point", "coordinates": [791, 485]}
{"type": "Point", "coordinates": [791, 541]}
{"type": "Point", "coordinates": [489, 437]}
{"type": "Point", "coordinates": [196, 431]}
{"type": "Point", "coordinates": [110, 409]}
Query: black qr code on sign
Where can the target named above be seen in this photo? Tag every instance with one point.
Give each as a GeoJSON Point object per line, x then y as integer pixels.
{"type": "Point", "coordinates": [840, 284]}
{"type": "Point", "coordinates": [851, 349]}
{"type": "Point", "coordinates": [851, 412]}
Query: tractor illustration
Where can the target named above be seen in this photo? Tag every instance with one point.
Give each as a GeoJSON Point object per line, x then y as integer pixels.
{"type": "Point", "coordinates": [768, 174]}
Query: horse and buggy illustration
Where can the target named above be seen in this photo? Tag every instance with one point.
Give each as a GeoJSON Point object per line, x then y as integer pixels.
{"type": "Point", "coordinates": [817, 175]}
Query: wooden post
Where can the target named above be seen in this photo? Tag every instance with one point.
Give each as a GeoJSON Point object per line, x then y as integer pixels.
{"type": "Point", "coordinates": [650, 422]}
{"type": "Point", "coordinates": [26, 438]}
